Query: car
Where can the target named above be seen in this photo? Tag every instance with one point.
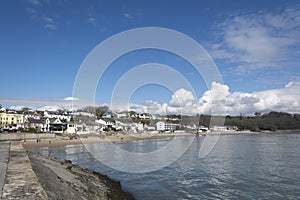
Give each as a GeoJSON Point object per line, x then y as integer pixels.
{"type": "Point", "coordinates": [5, 130]}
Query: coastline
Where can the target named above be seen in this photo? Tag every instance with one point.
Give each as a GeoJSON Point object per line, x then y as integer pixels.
{"type": "Point", "coordinates": [59, 142]}
{"type": "Point", "coordinates": [64, 180]}
{"type": "Point", "coordinates": [96, 139]}
{"type": "Point", "coordinates": [29, 175]}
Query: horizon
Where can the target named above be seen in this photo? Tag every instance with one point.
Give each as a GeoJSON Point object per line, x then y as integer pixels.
{"type": "Point", "coordinates": [255, 46]}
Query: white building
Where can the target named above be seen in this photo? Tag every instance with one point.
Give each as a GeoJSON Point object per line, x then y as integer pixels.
{"type": "Point", "coordinates": [219, 128]}
{"type": "Point", "coordinates": [71, 129]}
{"type": "Point", "coordinates": [162, 126]}
{"type": "Point", "coordinates": [57, 116]}
{"type": "Point", "coordinates": [145, 116]}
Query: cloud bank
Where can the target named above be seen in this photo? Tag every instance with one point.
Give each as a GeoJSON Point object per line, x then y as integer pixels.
{"type": "Point", "coordinates": [258, 40]}
{"type": "Point", "coordinates": [216, 100]}
{"type": "Point", "coordinates": [219, 100]}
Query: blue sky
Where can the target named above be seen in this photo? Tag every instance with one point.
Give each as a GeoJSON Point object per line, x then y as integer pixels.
{"type": "Point", "coordinates": [255, 44]}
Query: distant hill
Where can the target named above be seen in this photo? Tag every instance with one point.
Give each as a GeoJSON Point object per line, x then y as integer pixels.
{"type": "Point", "coordinates": [271, 121]}
{"type": "Point", "coordinates": [260, 122]}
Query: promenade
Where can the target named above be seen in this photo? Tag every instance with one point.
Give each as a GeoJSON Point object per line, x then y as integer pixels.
{"type": "Point", "coordinates": [18, 180]}
{"type": "Point", "coordinates": [4, 156]}
{"type": "Point", "coordinates": [26, 175]}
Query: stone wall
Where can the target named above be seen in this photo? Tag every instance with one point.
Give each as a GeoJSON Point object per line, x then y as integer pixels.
{"type": "Point", "coordinates": [26, 136]}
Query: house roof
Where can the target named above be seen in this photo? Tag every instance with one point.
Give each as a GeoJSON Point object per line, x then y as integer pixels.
{"type": "Point", "coordinates": [55, 121]}
{"type": "Point", "coordinates": [107, 119]}
{"type": "Point", "coordinates": [34, 121]}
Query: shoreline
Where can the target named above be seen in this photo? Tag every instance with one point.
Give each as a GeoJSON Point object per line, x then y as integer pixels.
{"type": "Point", "coordinates": [64, 180]}
{"type": "Point", "coordinates": [29, 175]}
{"type": "Point", "coordinates": [61, 179]}
{"type": "Point", "coordinates": [96, 139]}
{"type": "Point", "coordinates": [60, 142]}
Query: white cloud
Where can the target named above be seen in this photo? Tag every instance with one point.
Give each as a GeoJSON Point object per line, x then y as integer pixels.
{"type": "Point", "coordinates": [91, 20]}
{"type": "Point", "coordinates": [128, 15]}
{"type": "Point", "coordinates": [219, 100]}
{"type": "Point", "coordinates": [16, 107]}
{"type": "Point", "coordinates": [49, 22]}
{"type": "Point", "coordinates": [50, 26]}
{"type": "Point", "coordinates": [182, 98]}
{"type": "Point", "coordinates": [216, 100]}
{"type": "Point", "coordinates": [71, 99]}
{"type": "Point", "coordinates": [47, 19]}
{"type": "Point", "coordinates": [284, 99]}
{"type": "Point", "coordinates": [292, 84]}
{"type": "Point", "coordinates": [34, 2]}
{"type": "Point", "coordinates": [35, 9]}
{"type": "Point", "coordinates": [65, 103]}
{"type": "Point", "coordinates": [38, 2]}
{"type": "Point", "coordinates": [259, 40]}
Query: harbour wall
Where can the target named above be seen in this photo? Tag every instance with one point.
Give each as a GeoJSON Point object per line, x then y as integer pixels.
{"type": "Point", "coordinates": [25, 136]}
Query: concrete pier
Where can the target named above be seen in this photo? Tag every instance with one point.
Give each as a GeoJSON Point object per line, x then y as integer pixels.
{"type": "Point", "coordinates": [21, 182]}
{"type": "Point", "coordinates": [4, 156]}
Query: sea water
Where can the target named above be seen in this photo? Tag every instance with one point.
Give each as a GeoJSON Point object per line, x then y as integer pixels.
{"type": "Point", "coordinates": [255, 166]}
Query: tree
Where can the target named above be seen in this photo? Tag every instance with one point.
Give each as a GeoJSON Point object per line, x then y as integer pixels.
{"type": "Point", "coordinates": [25, 110]}
{"type": "Point", "coordinates": [89, 109]}
{"type": "Point", "coordinates": [100, 111]}
{"type": "Point", "coordinates": [257, 114]}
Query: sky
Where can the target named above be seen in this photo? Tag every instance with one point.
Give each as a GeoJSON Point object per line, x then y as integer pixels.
{"type": "Point", "coordinates": [255, 46]}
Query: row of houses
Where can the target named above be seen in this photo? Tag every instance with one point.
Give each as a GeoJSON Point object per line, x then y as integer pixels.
{"type": "Point", "coordinates": [127, 115]}
{"type": "Point", "coordinates": [112, 124]}
{"type": "Point", "coordinates": [54, 125]}
{"type": "Point", "coordinates": [11, 118]}
{"type": "Point", "coordinates": [13, 121]}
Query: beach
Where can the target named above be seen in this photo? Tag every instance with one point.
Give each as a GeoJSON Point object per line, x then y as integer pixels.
{"type": "Point", "coordinates": [90, 139]}
{"type": "Point", "coordinates": [97, 139]}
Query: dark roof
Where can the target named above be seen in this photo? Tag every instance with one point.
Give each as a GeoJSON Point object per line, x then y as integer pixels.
{"type": "Point", "coordinates": [52, 120]}
{"type": "Point", "coordinates": [35, 121]}
{"type": "Point", "coordinates": [108, 119]}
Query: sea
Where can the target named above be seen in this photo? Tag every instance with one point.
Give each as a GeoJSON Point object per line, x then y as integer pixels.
{"type": "Point", "coordinates": [252, 166]}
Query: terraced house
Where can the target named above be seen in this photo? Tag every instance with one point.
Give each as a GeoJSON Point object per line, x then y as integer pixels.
{"type": "Point", "coordinates": [9, 120]}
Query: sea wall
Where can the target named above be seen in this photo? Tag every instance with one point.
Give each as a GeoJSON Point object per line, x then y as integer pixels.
{"type": "Point", "coordinates": [25, 136]}
{"type": "Point", "coordinates": [21, 182]}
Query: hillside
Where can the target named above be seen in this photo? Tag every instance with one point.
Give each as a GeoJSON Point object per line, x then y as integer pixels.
{"type": "Point", "coordinates": [260, 122]}
{"type": "Point", "coordinates": [271, 121]}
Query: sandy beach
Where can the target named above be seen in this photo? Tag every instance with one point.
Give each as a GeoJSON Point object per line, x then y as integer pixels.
{"type": "Point", "coordinates": [97, 139]}
{"type": "Point", "coordinates": [58, 142]}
